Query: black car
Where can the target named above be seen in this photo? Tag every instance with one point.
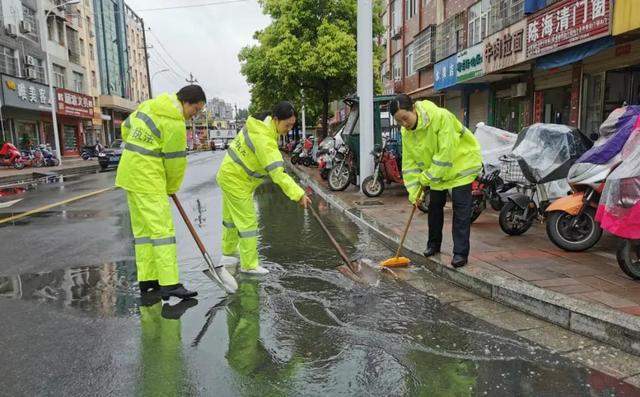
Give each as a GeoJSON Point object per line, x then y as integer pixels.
{"type": "Point", "coordinates": [111, 156]}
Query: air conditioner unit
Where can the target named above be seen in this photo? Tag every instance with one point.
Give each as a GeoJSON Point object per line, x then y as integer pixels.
{"type": "Point", "coordinates": [26, 27]}
{"type": "Point", "coordinates": [30, 61]}
{"type": "Point", "coordinates": [519, 90]}
{"type": "Point", "coordinates": [11, 30]}
{"type": "Point", "coordinates": [32, 74]}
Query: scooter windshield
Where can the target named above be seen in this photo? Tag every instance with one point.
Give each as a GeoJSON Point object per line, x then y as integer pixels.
{"type": "Point", "coordinates": [619, 208]}
{"type": "Point", "coordinates": [547, 151]}
{"type": "Point", "coordinates": [494, 143]}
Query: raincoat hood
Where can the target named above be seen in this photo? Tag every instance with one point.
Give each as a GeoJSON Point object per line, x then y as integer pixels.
{"type": "Point", "coordinates": [166, 105]}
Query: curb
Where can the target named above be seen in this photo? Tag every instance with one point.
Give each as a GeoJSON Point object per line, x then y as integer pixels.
{"type": "Point", "coordinates": [42, 172]}
{"type": "Point", "coordinates": [617, 329]}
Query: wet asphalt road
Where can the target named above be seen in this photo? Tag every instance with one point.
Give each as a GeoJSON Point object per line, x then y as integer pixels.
{"type": "Point", "coordinates": [74, 325]}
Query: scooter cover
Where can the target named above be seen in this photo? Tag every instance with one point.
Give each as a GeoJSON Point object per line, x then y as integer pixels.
{"type": "Point", "coordinates": [494, 143]}
{"type": "Point", "coordinates": [614, 133]}
{"type": "Point", "coordinates": [619, 208]}
{"type": "Point", "coordinates": [547, 151]}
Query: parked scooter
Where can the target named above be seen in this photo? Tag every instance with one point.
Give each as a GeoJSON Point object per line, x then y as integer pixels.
{"type": "Point", "coordinates": [46, 156]}
{"type": "Point", "coordinates": [543, 153]}
{"type": "Point", "coordinates": [386, 170]}
{"type": "Point", "coordinates": [91, 151]}
{"type": "Point", "coordinates": [619, 208]}
{"type": "Point", "coordinates": [10, 156]}
{"type": "Point", "coordinates": [295, 155]}
{"type": "Point", "coordinates": [488, 187]}
{"type": "Point", "coordinates": [571, 223]}
{"type": "Point", "coordinates": [326, 152]}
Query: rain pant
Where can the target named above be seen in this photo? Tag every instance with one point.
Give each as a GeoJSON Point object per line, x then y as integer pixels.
{"type": "Point", "coordinates": [440, 152]}
{"type": "Point", "coordinates": [152, 166]}
{"type": "Point", "coordinates": [251, 158]}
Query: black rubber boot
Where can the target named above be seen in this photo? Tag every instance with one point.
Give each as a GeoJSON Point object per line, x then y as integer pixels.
{"type": "Point", "coordinates": [177, 290]}
{"type": "Point", "coordinates": [459, 261]}
{"type": "Point", "coordinates": [431, 251]}
{"type": "Point", "coordinates": [150, 285]}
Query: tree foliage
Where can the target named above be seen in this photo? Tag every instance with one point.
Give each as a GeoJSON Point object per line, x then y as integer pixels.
{"type": "Point", "coordinates": [309, 49]}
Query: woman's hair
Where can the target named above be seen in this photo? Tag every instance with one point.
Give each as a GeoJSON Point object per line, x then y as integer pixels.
{"type": "Point", "coordinates": [191, 94]}
{"type": "Point", "coordinates": [401, 101]}
{"type": "Point", "coordinates": [282, 111]}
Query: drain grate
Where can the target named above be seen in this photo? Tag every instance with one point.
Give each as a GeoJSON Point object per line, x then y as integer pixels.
{"type": "Point", "coordinates": [368, 203]}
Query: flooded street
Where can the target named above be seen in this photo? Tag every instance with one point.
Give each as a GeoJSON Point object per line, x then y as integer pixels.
{"type": "Point", "coordinates": [73, 322]}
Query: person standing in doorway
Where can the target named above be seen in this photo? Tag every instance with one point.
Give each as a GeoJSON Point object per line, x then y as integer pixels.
{"type": "Point", "coordinates": [251, 158]}
{"type": "Point", "coordinates": [439, 153]}
{"type": "Point", "coordinates": [152, 167]}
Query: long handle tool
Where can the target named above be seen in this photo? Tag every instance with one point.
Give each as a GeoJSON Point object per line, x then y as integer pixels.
{"type": "Point", "coordinates": [218, 273]}
{"type": "Point", "coordinates": [398, 260]}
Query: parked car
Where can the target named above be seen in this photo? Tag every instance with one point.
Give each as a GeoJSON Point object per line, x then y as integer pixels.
{"type": "Point", "coordinates": [110, 156]}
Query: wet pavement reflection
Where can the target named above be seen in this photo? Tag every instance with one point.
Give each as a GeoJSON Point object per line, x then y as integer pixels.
{"type": "Point", "coordinates": [304, 329]}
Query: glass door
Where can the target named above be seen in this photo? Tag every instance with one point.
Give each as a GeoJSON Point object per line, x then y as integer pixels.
{"type": "Point", "coordinates": [593, 103]}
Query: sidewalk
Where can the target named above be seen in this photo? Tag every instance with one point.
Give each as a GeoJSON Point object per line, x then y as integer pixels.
{"type": "Point", "coordinates": [585, 292]}
{"type": "Point", "coordinates": [69, 165]}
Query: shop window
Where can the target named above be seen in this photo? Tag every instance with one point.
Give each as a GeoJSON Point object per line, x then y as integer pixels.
{"type": "Point", "coordinates": [557, 105]}
{"type": "Point", "coordinates": [69, 138]}
{"type": "Point", "coordinates": [8, 62]}
{"type": "Point", "coordinates": [593, 101]}
{"type": "Point", "coordinates": [26, 134]}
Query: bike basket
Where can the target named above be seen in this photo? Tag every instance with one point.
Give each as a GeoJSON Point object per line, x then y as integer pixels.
{"type": "Point", "coordinates": [510, 170]}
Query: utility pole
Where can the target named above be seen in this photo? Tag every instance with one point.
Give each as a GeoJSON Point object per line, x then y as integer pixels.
{"type": "Point", "coordinates": [192, 80]}
{"type": "Point", "coordinates": [304, 119]}
{"type": "Point", "coordinates": [365, 85]}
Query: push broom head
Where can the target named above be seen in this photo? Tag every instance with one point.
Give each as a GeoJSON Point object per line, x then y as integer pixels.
{"type": "Point", "coordinates": [397, 261]}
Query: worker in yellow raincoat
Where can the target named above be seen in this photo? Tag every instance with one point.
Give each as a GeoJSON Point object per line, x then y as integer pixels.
{"type": "Point", "coordinates": [439, 153]}
{"type": "Point", "coordinates": [252, 157]}
{"type": "Point", "coordinates": [152, 166]}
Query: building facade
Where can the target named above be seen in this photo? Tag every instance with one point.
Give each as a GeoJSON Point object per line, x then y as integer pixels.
{"type": "Point", "coordinates": [115, 78]}
{"type": "Point", "coordinates": [138, 62]}
{"type": "Point", "coordinates": [511, 63]}
{"type": "Point", "coordinates": [24, 97]}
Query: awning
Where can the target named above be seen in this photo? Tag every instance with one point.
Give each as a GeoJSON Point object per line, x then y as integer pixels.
{"type": "Point", "coordinates": [574, 54]}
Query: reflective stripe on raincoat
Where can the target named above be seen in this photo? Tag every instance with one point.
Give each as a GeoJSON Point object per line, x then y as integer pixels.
{"type": "Point", "coordinates": [440, 153]}
{"type": "Point", "coordinates": [154, 158]}
{"type": "Point", "coordinates": [252, 157]}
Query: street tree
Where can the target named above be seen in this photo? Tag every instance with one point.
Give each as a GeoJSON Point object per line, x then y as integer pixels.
{"type": "Point", "coordinates": [307, 53]}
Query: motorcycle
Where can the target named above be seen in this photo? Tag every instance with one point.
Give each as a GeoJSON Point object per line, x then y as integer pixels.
{"type": "Point", "coordinates": [571, 223]}
{"type": "Point", "coordinates": [619, 207]}
{"type": "Point", "coordinates": [309, 152]}
{"type": "Point", "coordinates": [89, 152]}
{"type": "Point", "coordinates": [295, 155]}
{"type": "Point", "coordinates": [10, 156]}
{"type": "Point", "coordinates": [46, 156]}
{"type": "Point", "coordinates": [542, 155]}
{"type": "Point", "coordinates": [345, 170]}
{"type": "Point", "coordinates": [326, 152]}
{"type": "Point", "coordinates": [488, 187]}
{"type": "Point", "coordinates": [386, 170]}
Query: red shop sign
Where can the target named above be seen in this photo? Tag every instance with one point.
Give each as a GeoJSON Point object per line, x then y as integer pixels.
{"type": "Point", "coordinates": [565, 24]}
{"type": "Point", "coordinates": [71, 103]}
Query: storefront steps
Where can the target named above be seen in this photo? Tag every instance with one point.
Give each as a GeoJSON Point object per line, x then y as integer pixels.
{"type": "Point", "coordinates": [582, 292]}
{"type": "Point", "coordinates": [74, 165]}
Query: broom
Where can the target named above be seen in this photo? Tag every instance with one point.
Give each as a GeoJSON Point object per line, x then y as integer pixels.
{"type": "Point", "coordinates": [398, 260]}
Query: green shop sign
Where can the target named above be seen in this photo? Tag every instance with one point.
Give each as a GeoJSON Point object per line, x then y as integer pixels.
{"type": "Point", "coordinates": [470, 63]}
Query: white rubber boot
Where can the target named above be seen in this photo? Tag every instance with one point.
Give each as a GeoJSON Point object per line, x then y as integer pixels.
{"type": "Point", "coordinates": [259, 271]}
{"type": "Point", "coordinates": [227, 261]}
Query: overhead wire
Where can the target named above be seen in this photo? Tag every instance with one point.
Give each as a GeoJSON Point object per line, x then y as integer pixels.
{"type": "Point", "coordinates": [190, 6]}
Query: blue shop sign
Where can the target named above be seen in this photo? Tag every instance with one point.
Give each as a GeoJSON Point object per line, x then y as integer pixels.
{"type": "Point", "coordinates": [445, 72]}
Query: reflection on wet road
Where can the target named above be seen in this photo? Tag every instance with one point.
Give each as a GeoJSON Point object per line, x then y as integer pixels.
{"type": "Point", "coordinates": [303, 330]}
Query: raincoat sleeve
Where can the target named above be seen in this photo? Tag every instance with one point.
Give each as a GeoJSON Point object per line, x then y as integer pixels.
{"type": "Point", "coordinates": [270, 159]}
{"type": "Point", "coordinates": [175, 155]}
{"type": "Point", "coordinates": [448, 128]}
{"type": "Point", "coordinates": [410, 173]}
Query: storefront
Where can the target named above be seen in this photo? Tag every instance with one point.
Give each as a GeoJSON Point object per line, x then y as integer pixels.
{"type": "Point", "coordinates": [559, 38]}
{"type": "Point", "coordinates": [74, 111]}
{"type": "Point", "coordinates": [114, 111]}
{"type": "Point", "coordinates": [475, 97]}
{"type": "Point", "coordinates": [446, 78]}
{"type": "Point", "coordinates": [25, 107]}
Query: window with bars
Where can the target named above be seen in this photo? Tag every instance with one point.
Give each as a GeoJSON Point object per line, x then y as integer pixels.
{"type": "Point", "coordinates": [36, 64]}
{"type": "Point", "coordinates": [8, 62]}
{"type": "Point", "coordinates": [61, 31]}
{"type": "Point", "coordinates": [504, 13]}
{"type": "Point", "coordinates": [73, 46]}
{"type": "Point", "coordinates": [411, 7]}
{"type": "Point", "coordinates": [78, 82]}
{"type": "Point", "coordinates": [396, 65]}
{"type": "Point", "coordinates": [478, 17]}
{"type": "Point", "coordinates": [450, 36]}
{"type": "Point", "coordinates": [409, 56]}
{"type": "Point", "coordinates": [396, 17]}
{"type": "Point", "coordinates": [424, 49]}
{"type": "Point", "coordinates": [29, 18]}
{"type": "Point", "coordinates": [59, 78]}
